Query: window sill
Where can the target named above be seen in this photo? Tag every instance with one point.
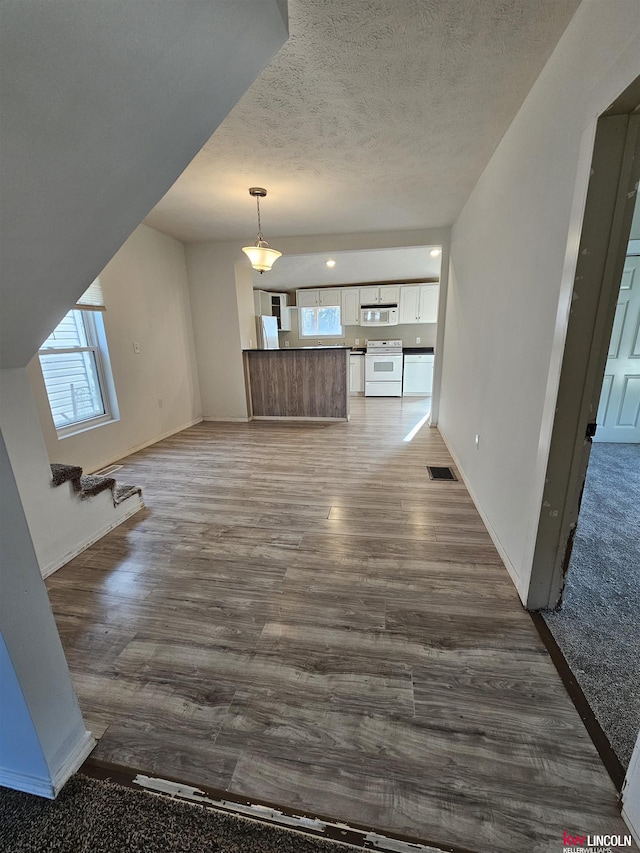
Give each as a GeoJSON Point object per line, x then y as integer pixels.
{"type": "Point", "coordinates": [85, 426]}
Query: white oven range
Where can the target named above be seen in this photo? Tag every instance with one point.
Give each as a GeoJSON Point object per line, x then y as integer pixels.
{"type": "Point", "coordinates": [383, 369]}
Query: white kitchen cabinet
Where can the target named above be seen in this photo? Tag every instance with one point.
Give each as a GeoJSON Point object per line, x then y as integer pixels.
{"type": "Point", "coordinates": [428, 312]}
{"type": "Point", "coordinates": [389, 294]}
{"type": "Point", "coordinates": [409, 304]}
{"type": "Point", "coordinates": [350, 306]}
{"type": "Point", "coordinates": [369, 295]}
{"type": "Point", "coordinates": [356, 374]}
{"type": "Point", "coordinates": [281, 310]}
{"type": "Point", "coordinates": [419, 303]}
{"type": "Point", "coordinates": [273, 305]}
{"type": "Point", "coordinates": [262, 302]}
{"type": "Point", "coordinates": [307, 298]}
{"type": "Point", "coordinates": [385, 294]}
{"type": "Point", "coordinates": [417, 378]}
{"type": "Point", "coordinates": [329, 296]}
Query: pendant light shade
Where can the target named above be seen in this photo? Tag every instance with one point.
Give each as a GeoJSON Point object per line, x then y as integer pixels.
{"type": "Point", "coordinates": [262, 256]}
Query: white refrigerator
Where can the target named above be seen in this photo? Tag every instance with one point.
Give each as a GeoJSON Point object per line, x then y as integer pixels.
{"type": "Point", "coordinates": [267, 332]}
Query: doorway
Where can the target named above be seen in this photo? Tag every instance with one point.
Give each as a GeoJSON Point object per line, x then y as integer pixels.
{"type": "Point", "coordinates": [582, 565]}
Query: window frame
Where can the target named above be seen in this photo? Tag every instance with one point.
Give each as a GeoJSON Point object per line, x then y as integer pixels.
{"type": "Point", "coordinates": [97, 344]}
{"type": "Point", "coordinates": [315, 309]}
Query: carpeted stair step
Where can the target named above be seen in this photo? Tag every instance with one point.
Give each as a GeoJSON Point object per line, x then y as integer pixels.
{"type": "Point", "coordinates": [93, 484]}
{"type": "Point", "coordinates": [123, 491]}
{"type": "Point", "coordinates": [89, 485]}
{"type": "Point", "coordinates": [66, 474]}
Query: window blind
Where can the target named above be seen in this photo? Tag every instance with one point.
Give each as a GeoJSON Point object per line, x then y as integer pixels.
{"type": "Point", "coordinates": [93, 298]}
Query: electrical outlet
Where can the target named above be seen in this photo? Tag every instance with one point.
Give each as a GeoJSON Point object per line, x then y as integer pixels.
{"type": "Point", "coordinates": [286, 343]}
{"type": "Point", "coordinates": [477, 440]}
{"type": "Point", "coordinates": [418, 340]}
{"type": "Point", "coordinates": [136, 347]}
{"type": "Point", "coordinates": [357, 342]}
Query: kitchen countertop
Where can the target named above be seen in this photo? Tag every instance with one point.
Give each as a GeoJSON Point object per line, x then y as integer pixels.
{"type": "Point", "coordinates": [405, 350]}
{"type": "Point", "coordinates": [294, 349]}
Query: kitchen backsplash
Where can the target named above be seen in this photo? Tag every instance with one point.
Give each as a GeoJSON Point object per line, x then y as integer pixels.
{"type": "Point", "coordinates": [353, 334]}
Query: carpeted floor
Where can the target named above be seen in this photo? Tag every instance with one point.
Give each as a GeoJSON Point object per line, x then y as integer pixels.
{"type": "Point", "coordinates": [598, 627]}
{"type": "Point", "coordinates": [92, 816]}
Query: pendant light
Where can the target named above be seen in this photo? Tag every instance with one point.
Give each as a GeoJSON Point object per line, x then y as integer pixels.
{"type": "Point", "coordinates": [262, 257]}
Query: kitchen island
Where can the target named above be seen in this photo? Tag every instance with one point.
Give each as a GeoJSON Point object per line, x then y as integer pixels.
{"type": "Point", "coordinates": [304, 383]}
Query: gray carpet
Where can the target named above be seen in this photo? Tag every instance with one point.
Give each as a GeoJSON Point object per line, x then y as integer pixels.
{"type": "Point", "coordinates": [598, 627]}
{"type": "Point", "coordinates": [92, 816]}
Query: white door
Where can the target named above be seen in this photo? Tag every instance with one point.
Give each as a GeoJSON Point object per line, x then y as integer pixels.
{"type": "Point", "coordinates": [350, 311]}
{"type": "Point", "coordinates": [390, 294]}
{"type": "Point", "coordinates": [307, 298]}
{"type": "Point", "coordinates": [619, 408]}
{"type": "Point", "coordinates": [428, 309]}
{"type": "Point", "coordinates": [356, 366]}
{"type": "Point", "coordinates": [383, 368]}
{"type": "Point", "coordinates": [409, 304]}
{"type": "Point", "coordinates": [329, 296]}
{"type": "Point", "coordinates": [369, 295]}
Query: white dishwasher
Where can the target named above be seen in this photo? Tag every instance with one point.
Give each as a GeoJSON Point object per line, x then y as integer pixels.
{"type": "Point", "coordinates": [417, 378]}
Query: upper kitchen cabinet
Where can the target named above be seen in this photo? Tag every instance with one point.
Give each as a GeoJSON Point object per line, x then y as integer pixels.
{"type": "Point", "coordinates": [307, 298]}
{"type": "Point", "coordinates": [262, 302]}
{"type": "Point", "coordinates": [281, 310]}
{"type": "Point", "coordinates": [273, 305]}
{"type": "Point", "coordinates": [386, 294]}
{"type": "Point", "coordinates": [324, 296]}
{"type": "Point", "coordinates": [329, 296]}
{"type": "Point", "coordinates": [419, 303]}
{"type": "Point", "coordinates": [350, 306]}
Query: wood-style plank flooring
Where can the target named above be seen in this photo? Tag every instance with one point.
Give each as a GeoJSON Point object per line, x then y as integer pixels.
{"type": "Point", "coordinates": [301, 616]}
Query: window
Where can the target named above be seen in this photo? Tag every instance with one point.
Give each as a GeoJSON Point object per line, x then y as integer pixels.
{"type": "Point", "coordinates": [75, 368]}
{"type": "Point", "coordinates": [323, 322]}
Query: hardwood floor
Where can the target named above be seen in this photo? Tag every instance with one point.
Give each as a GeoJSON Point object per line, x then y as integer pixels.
{"type": "Point", "coordinates": [300, 615]}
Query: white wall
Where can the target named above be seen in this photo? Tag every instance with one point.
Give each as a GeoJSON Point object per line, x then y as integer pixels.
{"type": "Point", "coordinates": [44, 739]}
{"type": "Point", "coordinates": [147, 300]}
{"type": "Point", "coordinates": [61, 525]}
{"type": "Point", "coordinates": [215, 303]}
{"type": "Point", "coordinates": [219, 284]}
{"type": "Point", "coordinates": [513, 251]}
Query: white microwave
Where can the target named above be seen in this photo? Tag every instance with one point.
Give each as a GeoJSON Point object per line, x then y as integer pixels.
{"type": "Point", "coordinates": [379, 315]}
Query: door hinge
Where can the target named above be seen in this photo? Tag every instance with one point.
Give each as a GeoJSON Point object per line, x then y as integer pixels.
{"type": "Point", "coordinates": [591, 429]}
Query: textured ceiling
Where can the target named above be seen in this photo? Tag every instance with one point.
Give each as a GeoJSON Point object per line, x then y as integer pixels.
{"type": "Point", "coordinates": [357, 267]}
{"type": "Point", "coordinates": [375, 115]}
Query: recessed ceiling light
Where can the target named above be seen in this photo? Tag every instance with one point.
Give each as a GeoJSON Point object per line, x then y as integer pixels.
{"type": "Point", "coordinates": [331, 264]}
{"type": "Point", "coordinates": [435, 252]}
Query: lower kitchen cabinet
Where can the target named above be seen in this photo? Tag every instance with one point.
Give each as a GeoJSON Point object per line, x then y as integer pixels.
{"type": "Point", "coordinates": [356, 377]}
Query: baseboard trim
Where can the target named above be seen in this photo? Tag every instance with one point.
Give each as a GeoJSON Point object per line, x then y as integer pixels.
{"type": "Point", "coordinates": [299, 419]}
{"type": "Point", "coordinates": [226, 420]}
{"type": "Point", "coordinates": [44, 786]}
{"type": "Point", "coordinates": [41, 786]}
{"type": "Point", "coordinates": [136, 505]}
{"type": "Point", "coordinates": [74, 761]}
{"type": "Point", "coordinates": [513, 573]}
{"type": "Point", "coordinates": [144, 444]}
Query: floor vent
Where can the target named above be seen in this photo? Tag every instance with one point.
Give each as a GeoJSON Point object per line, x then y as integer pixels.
{"type": "Point", "coordinates": [106, 472]}
{"type": "Point", "coordinates": [438, 473]}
